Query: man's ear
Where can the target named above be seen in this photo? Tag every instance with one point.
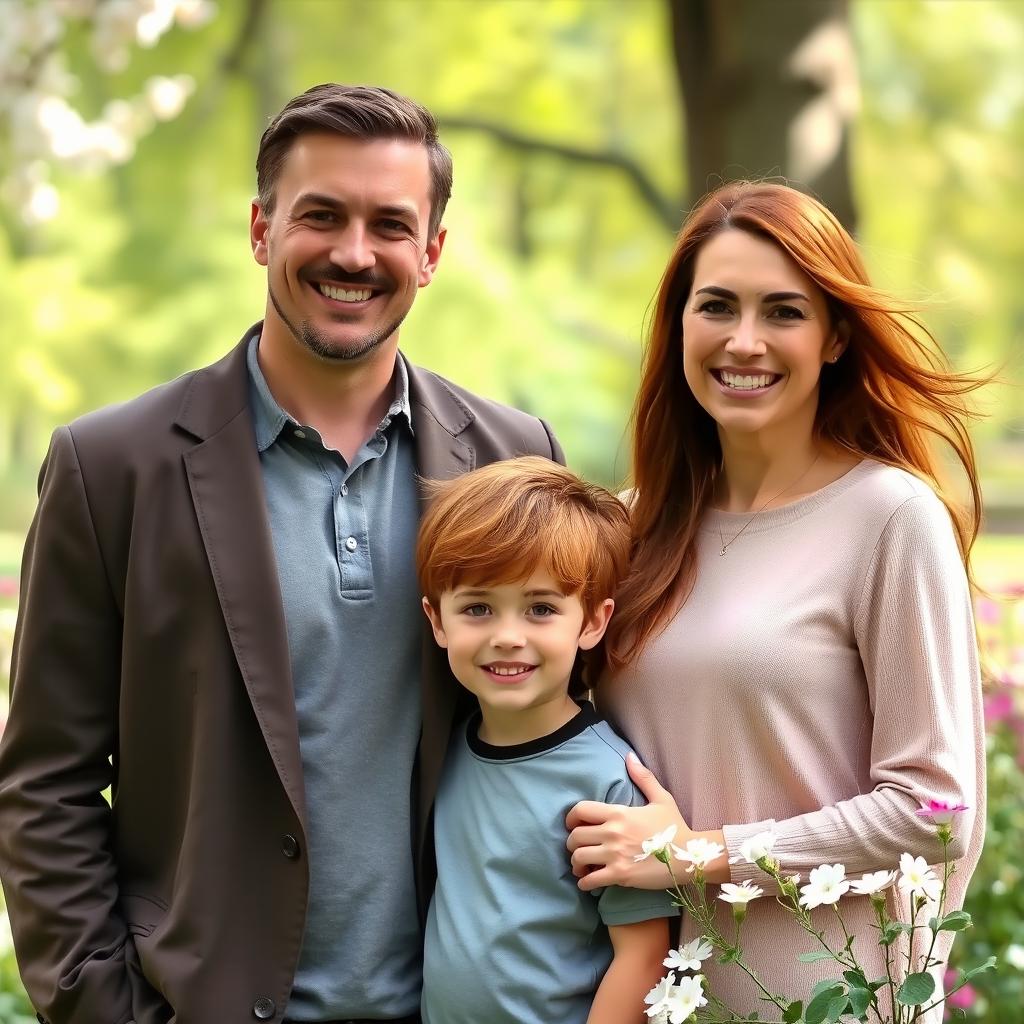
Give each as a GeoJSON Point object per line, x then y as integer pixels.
{"type": "Point", "coordinates": [431, 256]}
{"type": "Point", "coordinates": [435, 623]}
{"type": "Point", "coordinates": [595, 625]}
{"type": "Point", "coordinates": [258, 226]}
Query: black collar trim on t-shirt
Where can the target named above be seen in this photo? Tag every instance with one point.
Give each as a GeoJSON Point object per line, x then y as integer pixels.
{"type": "Point", "coordinates": [587, 717]}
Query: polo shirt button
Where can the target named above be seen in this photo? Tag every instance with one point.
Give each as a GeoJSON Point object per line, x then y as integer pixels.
{"type": "Point", "coordinates": [351, 543]}
{"type": "Point", "coordinates": [344, 490]}
{"type": "Point", "coordinates": [263, 1008]}
{"type": "Point", "coordinates": [300, 433]}
{"type": "Point", "coordinates": [290, 846]}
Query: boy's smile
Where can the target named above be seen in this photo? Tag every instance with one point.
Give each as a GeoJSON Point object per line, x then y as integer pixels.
{"type": "Point", "coordinates": [514, 645]}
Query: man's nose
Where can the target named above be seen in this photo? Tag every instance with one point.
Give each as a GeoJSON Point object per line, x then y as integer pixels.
{"type": "Point", "coordinates": [746, 340]}
{"type": "Point", "coordinates": [352, 249]}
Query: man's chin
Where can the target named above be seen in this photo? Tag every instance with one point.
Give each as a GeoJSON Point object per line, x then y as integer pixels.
{"type": "Point", "coordinates": [342, 347]}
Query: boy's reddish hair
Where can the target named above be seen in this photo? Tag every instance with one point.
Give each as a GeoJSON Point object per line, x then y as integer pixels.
{"type": "Point", "coordinates": [509, 519]}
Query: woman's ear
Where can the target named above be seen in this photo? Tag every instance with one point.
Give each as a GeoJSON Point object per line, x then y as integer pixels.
{"type": "Point", "coordinates": [840, 339]}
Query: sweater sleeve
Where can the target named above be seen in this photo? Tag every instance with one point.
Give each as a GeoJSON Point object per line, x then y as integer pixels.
{"type": "Point", "coordinates": [914, 630]}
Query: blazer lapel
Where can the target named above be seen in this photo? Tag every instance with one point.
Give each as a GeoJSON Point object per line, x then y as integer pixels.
{"type": "Point", "coordinates": [438, 419]}
{"type": "Point", "coordinates": [227, 490]}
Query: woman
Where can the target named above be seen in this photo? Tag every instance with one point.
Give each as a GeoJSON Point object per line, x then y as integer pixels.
{"type": "Point", "coordinates": [794, 649]}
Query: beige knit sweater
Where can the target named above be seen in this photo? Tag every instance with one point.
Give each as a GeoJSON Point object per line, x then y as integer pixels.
{"type": "Point", "coordinates": [821, 680]}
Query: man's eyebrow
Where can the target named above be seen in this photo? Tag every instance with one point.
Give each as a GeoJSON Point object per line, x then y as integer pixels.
{"type": "Point", "coordinates": [399, 210]}
{"type": "Point", "coordinates": [724, 293]}
{"type": "Point", "coordinates": [318, 199]}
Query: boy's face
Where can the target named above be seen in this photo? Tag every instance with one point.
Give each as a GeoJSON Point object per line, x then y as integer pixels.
{"type": "Point", "coordinates": [513, 644]}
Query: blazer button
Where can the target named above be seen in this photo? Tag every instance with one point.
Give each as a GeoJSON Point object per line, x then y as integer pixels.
{"type": "Point", "coordinates": [290, 846]}
{"type": "Point", "coordinates": [263, 1008]}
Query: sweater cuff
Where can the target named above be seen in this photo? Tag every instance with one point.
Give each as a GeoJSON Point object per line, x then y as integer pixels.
{"type": "Point", "coordinates": [735, 836]}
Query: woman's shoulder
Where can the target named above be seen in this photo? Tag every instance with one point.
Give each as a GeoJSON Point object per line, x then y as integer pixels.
{"type": "Point", "coordinates": [880, 490]}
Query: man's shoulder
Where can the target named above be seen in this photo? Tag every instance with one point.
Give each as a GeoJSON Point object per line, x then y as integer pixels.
{"type": "Point", "coordinates": [460, 409]}
{"type": "Point", "coordinates": [158, 404]}
{"type": "Point", "coordinates": [221, 386]}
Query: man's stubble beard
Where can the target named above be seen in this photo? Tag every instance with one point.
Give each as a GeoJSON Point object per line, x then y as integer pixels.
{"type": "Point", "coordinates": [321, 346]}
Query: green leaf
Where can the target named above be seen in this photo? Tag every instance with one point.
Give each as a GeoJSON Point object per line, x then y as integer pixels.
{"type": "Point", "coordinates": [860, 1000]}
{"type": "Point", "coordinates": [793, 1011]}
{"type": "Point", "coordinates": [820, 1007]}
{"type": "Point", "coordinates": [856, 978]}
{"type": "Point", "coordinates": [836, 1008]}
{"type": "Point", "coordinates": [956, 921]}
{"type": "Point", "coordinates": [916, 989]}
{"type": "Point", "coordinates": [730, 956]}
{"type": "Point", "coordinates": [986, 966]}
{"type": "Point", "coordinates": [814, 956]}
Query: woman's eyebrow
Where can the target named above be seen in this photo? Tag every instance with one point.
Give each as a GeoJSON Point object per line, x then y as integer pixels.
{"type": "Point", "coordinates": [725, 293]}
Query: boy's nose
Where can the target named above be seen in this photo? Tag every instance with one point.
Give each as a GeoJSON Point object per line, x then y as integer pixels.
{"type": "Point", "coordinates": [508, 636]}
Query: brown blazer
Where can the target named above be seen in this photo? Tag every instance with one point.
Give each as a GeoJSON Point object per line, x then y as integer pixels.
{"type": "Point", "coordinates": [151, 657]}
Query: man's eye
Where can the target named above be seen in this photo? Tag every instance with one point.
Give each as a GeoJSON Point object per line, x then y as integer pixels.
{"type": "Point", "coordinates": [714, 307]}
{"type": "Point", "coordinates": [320, 216]}
{"type": "Point", "coordinates": [394, 225]}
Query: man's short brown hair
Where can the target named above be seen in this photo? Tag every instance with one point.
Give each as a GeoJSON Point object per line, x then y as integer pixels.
{"type": "Point", "coordinates": [510, 519]}
{"type": "Point", "coordinates": [356, 112]}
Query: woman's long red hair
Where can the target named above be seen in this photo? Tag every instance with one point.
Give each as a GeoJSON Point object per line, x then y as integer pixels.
{"type": "Point", "coordinates": [890, 396]}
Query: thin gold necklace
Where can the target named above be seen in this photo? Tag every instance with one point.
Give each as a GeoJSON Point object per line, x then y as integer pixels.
{"type": "Point", "coordinates": [726, 545]}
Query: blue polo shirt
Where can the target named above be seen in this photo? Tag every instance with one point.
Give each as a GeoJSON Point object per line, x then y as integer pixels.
{"type": "Point", "coordinates": [344, 535]}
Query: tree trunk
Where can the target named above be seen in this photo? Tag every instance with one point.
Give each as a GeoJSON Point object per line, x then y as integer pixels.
{"type": "Point", "coordinates": [769, 88]}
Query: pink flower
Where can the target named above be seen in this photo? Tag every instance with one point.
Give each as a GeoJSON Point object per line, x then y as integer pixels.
{"type": "Point", "coordinates": [987, 611]}
{"type": "Point", "coordinates": [940, 811]}
{"type": "Point", "coordinates": [998, 707]}
{"type": "Point", "coordinates": [963, 999]}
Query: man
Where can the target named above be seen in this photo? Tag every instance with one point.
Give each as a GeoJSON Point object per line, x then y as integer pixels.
{"type": "Point", "coordinates": [220, 620]}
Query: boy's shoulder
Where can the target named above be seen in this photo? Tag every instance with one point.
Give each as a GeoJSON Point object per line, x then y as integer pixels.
{"type": "Point", "coordinates": [584, 760]}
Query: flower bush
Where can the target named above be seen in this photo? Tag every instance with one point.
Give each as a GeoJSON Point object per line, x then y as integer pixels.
{"type": "Point", "coordinates": [898, 997]}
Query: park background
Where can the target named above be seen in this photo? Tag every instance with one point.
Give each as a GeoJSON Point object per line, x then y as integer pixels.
{"type": "Point", "coordinates": [582, 130]}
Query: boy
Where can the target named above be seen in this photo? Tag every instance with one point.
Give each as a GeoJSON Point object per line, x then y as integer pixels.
{"type": "Point", "coordinates": [518, 562]}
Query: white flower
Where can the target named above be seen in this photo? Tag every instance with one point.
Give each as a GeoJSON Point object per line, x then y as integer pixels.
{"type": "Point", "coordinates": [916, 876]}
{"type": "Point", "coordinates": [657, 998]}
{"type": "Point", "coordinates": [740, 894]}
{"type": "Point", "coordinates": [689, 957]}
{"type": "Point", "coordinates": [756, 847]}
{"type": "Point", "coordinates": [657, 843]}
{"type": "Point", "coordinates": [685, 998]}
{"type": "Point", "coordinates": [872, 883]}
{"type": "Point", "coordinates": [699, 853]}
{"type": "Point", "coordinates": [826, 884]}
{"type": "Point", "coordinates": [1015, 956]}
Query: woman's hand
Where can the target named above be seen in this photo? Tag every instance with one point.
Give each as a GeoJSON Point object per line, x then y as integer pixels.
{"type": "Point", "coordinates": [604, 839]}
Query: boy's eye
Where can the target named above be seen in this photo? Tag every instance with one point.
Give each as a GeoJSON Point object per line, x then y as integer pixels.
{"type": "Point", "coordinates": [475, 610]}
{"type": "Point", "coordinates": [542, 611]}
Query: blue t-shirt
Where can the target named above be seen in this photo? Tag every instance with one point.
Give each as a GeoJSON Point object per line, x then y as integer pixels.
{"type": "Point", "coordinates": [510, 937]}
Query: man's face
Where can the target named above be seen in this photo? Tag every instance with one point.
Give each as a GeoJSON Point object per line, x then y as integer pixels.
{"type": "Point", "coordinates": [346, 247]}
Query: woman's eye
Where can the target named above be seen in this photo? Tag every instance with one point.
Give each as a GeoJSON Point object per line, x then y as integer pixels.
{"type": "Point", "coordinates": [715, 307]}
{"type": "Point", "coordinates": [788, 313]}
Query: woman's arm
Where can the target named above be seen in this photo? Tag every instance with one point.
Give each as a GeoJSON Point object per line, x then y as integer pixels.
{"type": "Point", "coordinates": [637, 966]}
{"type": "Point", "coordinates": [915, 635]}
{"type": "Point", "coordinates": [604, 839]}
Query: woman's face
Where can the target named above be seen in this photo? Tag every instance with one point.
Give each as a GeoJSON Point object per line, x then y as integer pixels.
{"type": "Point", "coordinates": [756, 333]}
